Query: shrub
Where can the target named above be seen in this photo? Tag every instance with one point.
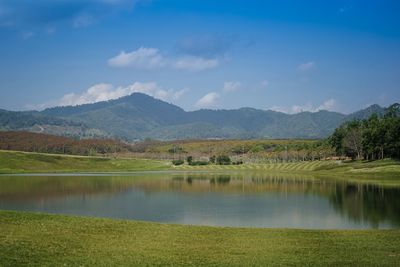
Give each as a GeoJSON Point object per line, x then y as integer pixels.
{"type": "Point", "coordinates": [198, 163]}
{"type": "Point", "coordinates": [177, 162]}
{"type": "Point", "coordinates": [223, 160]}
{"type": "Point", "coordinates": [212, 159]}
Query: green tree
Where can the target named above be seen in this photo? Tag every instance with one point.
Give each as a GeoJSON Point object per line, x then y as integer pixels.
{"type": "Point", "coordinates": [223, 160]}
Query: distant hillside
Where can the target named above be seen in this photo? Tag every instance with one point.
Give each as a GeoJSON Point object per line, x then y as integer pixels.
{"type": "Point", "coordinates": [34, 121]}
{"type": "Point", "coordinates": [367, 112]}
{"type": "Point", "coordinates": [45, 143]}
{"type": "Point", "coordinates": [140, 116]}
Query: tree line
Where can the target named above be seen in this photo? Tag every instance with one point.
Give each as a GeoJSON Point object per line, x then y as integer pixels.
{"type": "Point", "coordinates": [377, 137]}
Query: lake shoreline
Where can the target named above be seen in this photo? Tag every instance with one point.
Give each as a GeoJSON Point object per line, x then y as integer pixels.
{"type": "Point", "coordinates": [383, 172]}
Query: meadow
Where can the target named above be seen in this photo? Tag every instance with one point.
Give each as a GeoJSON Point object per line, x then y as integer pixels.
{"type": "Point", "coordinates": [81, 241]}
{"type": "Point", "coordinates": [27, 162]}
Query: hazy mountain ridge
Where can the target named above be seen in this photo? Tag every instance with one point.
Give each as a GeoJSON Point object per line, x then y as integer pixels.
{"type": "Point", "coordinates": [139, 116]}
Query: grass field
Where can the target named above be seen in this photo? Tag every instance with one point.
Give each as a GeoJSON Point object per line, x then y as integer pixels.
{"type": "Point", "coordinates": [352, 167]}
{"type": "Point", "coordinates": [79, 241]}
{"type": "Point", "coordinates": [26, 162]}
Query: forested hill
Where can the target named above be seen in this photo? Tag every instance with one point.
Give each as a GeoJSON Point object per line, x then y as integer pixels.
{"type": "Point", "coordinates": [140, 116]}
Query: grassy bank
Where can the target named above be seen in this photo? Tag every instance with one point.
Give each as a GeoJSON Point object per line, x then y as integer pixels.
{"type": "Point", "coordinates": [327, 166]}
{"type": "Point", "coordinates": [79, 241]}
{"type": "Point", "coordinates": [26, 162]}
{"type": "Point", "coordinates": [382, 172]}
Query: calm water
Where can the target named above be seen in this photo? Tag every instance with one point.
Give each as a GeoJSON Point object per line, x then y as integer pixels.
{"type": "Point", "coordinates": [209, 199]}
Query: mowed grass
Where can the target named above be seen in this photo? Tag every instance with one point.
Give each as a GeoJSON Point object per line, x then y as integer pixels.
{"type": "Point", "coordinates": [25, 162]}
{"type": "Point", "coordinates": [382, 172]}
{"type": "Point", "coordinates": [380, 166]}
{"type": "Point", "coordinates": [55, 240]}
{"type": "Point", "coordinates": [289, 167]}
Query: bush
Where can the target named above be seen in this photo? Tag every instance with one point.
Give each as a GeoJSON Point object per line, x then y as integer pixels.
{"type": "Point", "coordinates": [189, 160]}
{"type": "Point", "coordinates": [212, 159]}
{"type": "Point", "coordinates": [198, 163]}
{"type": "Point", "coordinates": [223, 160]}
{"type": "Point", "coordinates": [177, 162]}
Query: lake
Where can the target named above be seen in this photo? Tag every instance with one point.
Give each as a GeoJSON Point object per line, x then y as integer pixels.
{"type": "Point", "coordinates": [236, 199]}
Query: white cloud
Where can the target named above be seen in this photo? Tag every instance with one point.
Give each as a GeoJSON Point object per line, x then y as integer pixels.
{"type": "Point", "coordinates": [105, 91]}
{"type": "Point", "coordinates": [208, 101]}
{"type": "Point", "coordinates": [306, 66]}
{"type": "Point", "coordinates": [264, 83]}
{"type": "Point", "coordinates": [329, 105]}
{"type": "Point", "coordinates": [231, 86]}
{"type": "Point", "coordinates": [83, 20]}
{"type": "Point", "coordinates": [21, 14]}
{"type": "Point", "coordinates": [193, 63]}
{"type": "Point", "coordinates": [151, 58]}
{"type": "Point", "coordinates": [27, 35]}
{"type": "Point", "coordinates": [50, 30]}
{"type": "Point", "coordinates": [144, 58]}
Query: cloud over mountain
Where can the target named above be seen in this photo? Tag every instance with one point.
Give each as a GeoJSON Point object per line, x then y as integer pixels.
{"type": "Point", "coordinates": [151, 58]}
{"type": "Point", "coordinates": [105, 92]}
{"type": "Point", "coordinates": [208, 101]}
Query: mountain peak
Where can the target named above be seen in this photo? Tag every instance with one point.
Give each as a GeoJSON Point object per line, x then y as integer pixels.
{"type": "Point", "coordinates": [367, 112]}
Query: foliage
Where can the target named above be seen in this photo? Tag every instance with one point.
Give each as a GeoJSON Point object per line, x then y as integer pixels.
{"type": "Point", "coordinates": [178, 162]}
{"type": "Point", "coordinates": [199, 163]}
{"type": "Point", "coordinates": [223, 160]}
{"type": "Point", "coordinates": [212, 159]}
{"type": "Point", "coordinates": [260, 150]}
{"type": "Point", "coordinates": [192, 162]}
{"type": "Point", "coordinates": [44, 143]}
{"type": "Point", "coordinates": [373, 138]}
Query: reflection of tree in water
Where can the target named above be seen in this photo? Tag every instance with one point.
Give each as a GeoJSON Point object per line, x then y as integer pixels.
{"type": "Point", "coordinates": [21, 188]}
{"type": "Point", "coordinates": [221, 179]}
{"type": "Point", "coordinates": [214, 179]}
{"type": "Point", "coordinates": [369, 203]}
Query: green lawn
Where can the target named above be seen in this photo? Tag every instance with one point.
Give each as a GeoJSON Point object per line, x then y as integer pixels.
{"type": "Point", "coordinates": [55, 240]}
{"type": "Point", "coordinates": [379, 166]}
{"type": "Point", "coordinates": [25, 162]}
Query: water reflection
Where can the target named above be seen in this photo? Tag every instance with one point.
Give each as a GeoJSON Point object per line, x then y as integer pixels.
{"type": "Point", "coordinates": [253, 200]}
{"type": "Point", "coordinates": [367, 202]}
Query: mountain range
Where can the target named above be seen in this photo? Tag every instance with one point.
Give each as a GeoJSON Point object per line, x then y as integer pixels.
{"type": "Point", "coordinates": [139, 116]}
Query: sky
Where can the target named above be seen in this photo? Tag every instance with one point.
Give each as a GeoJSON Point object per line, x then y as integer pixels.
{"type": "Point", "coordinates": [283, 55]}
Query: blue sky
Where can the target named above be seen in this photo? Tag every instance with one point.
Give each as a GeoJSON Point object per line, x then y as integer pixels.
{"type": "Point", "coordinates": [283, 55]}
